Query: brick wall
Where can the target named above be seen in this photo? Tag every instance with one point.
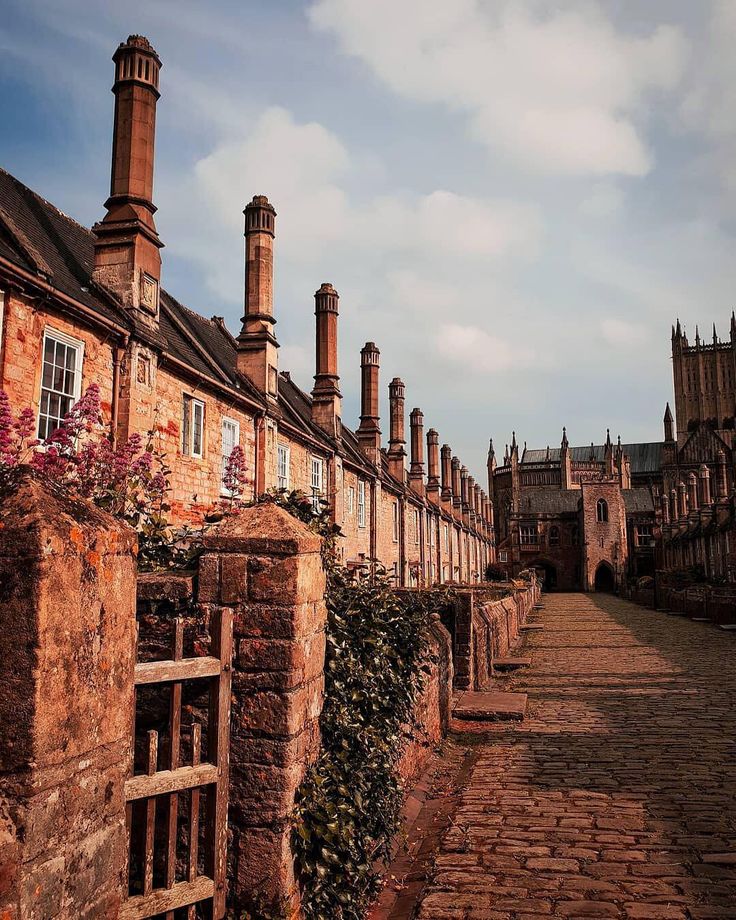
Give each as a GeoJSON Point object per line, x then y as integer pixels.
{"type": "Point", "coordinates": [20, 372]}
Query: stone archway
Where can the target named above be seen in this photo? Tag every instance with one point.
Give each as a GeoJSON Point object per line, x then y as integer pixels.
{"type": "Point", "coordinates": [549, 574]}
{"type": "Point", "coordinates": [605, 580]}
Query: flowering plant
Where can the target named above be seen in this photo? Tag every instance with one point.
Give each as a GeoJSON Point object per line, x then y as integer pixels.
{"type": "Point", "coordinates": [130, 480]}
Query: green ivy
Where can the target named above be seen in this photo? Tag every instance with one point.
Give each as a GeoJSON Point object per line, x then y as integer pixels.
{"type": "Point", "coordinates": [349, 804]}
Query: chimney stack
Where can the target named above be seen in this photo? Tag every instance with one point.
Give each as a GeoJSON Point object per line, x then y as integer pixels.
{"type": "Point", "coordinates": [705, 494]}
{"type": "Point", "coordinates": [127, 260]}
{"type": "Point", "coordinates": [446, 455]}
{"type": "Point", "coordinates": [721, 478]}
{"type": "Point", "coordinates": [326, 397]}
{"type": "Point", "coordinates": [683, 499]}
{"type": "Point", "coordinates": [396, 449]}
{"type": "Point", "coordinates": [257, 345]}
{"type": "Point", "coordinates": [692, 492]}
{"type": "Point", "coordinates": [369, 432]}
{"type": "Point", "coordinates": [416, 468]}
{"type": "Point", "coordinates": [457, 489]}
{"type": "Point", "coordinates": [433, 466]}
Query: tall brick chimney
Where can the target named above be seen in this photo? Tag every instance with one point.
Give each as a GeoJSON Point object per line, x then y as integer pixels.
{"type": "Point", "coordinates": [257, 345]}
{"type": "Point", "coordinates": [446, 455]}
{"type": "Point", "coordinates": [416, 468]}
{"type": "Point", "coordinates": [397, 440]}
{"type": "Point", "coordinates": [326, 397]}
{"type": "Point", "coordinates": [127, 260]}
{"type": "Point", "coordinates": [721, 478]}
{"type": "Point", "coordinates": [664, 502]}
{"type": "Point", "coordinates": [369, 431]}
{"type": "Point", "coordinates": [478, 504]}
{"type": "Point", "coordinates": [692, 492]}
{"type": "Point", "coordinates": [705, 493]}
{"type": "Point", "coordinates": [433, 466]}
{"type": "Point", "coordinates": [457, 489]}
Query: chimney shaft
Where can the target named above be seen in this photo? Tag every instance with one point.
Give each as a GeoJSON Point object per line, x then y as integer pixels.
{"type": "Point", "coordinates": [457, 490]}
{"type": "Point", "coordinates": [692, 492]}
{"type": "Point", "coordinates": [369, 432]}
{"type": "Point", "coordinates": [127, 259]}
{"type": "Point", "coordinates": [257, 345]}
{"type": "Point", "coordinates": [433, 465]}
{"type": "Point", "coordinates": [396, 448]}
{"type": "Point", "coordinates": [326, 397]}
{"type": "Point", "coordinates": [705, 493]}
{"type": "Point", "coordinates": [446, 454]}
{"type": "Point", "coordinates": [416, 469]}
{"type": "Point", "coordinates": [721, 478]}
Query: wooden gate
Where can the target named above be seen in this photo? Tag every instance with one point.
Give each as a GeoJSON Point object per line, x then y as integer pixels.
{"type": "Point", "coordinates": [187, 892]}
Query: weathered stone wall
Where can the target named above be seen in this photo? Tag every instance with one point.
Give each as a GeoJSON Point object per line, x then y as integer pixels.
{"type": "Point", "coordinates": [432, 711]}
{"type": "Point", "coordinates": [67, 650]}
{"type": "Point", "coordinates": [485, 627]}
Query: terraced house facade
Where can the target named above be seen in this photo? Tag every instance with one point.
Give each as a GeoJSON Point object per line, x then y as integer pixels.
{"type": "Point", "coordinates": [81, 306]}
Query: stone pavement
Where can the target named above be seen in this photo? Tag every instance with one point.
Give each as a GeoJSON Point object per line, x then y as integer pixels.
{"type": "Point", "coordinates": [612, 797]}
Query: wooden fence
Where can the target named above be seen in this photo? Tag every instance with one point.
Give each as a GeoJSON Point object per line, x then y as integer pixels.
{"type": "Point", "coordinates": [180, 889]}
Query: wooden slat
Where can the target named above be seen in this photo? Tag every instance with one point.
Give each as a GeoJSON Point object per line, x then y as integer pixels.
{"type": "Point", "coordinates": [168, 781]}
{"type": "Point", "coordinates": [194, 817]}
{"type": "Point", "coordinates": [162, 672]}
{"type": "Point", "coordinates": [150, 816]}
{"type": "Point", "coordinates": [140, 907]}
{"type": "Point", "coordinates": [177, 653]}
{"type": "Point", "coordinates": [218, 742]}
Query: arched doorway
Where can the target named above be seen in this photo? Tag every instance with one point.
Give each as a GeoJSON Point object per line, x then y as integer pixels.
{"type": "Point", "coordinates": [604, 579]}
{"type": "Point", "coordinates": [549, 575]}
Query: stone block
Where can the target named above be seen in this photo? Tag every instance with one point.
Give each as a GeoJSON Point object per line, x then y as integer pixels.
{"type": "Point", "coordinates": [287, 580]}
{"type": "Point", "coordinates": [233, 579]}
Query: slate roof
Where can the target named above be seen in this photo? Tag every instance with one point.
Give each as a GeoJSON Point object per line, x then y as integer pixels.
{"type": "Point", "coordinates": [645, 457]}
{"type": "Point", "coordinates": [638, 501]}
{"type": "Point", "coordinates": [41, 239]}
{"type": "Point", "coordinates": [552, 501]}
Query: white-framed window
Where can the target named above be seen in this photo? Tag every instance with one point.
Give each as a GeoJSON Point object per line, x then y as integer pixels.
{"type": "Point", "coordinates": [230, 440]}
{"type": "Point", "coordinates": [192, 426]}
{"type": "Point", "coordinates": [317, 481]}
{"type": "Point", "coordinates": [361, 503]}
{"type": "Point", "coordinates": [529, 535]}
{"type": "Point", "coordinates": [395, 512]}
{"type": "Point", "coordinates": [430, 530]}
{"type": "Point", "coordinates": [416, 526]}
{"type": "Point", "coordinates": [644, 534]}
{"type": "Point", "coordinates": [503, 556]}
{"type": "Point", "coordinates": [350, 501]}
{"type": "Point", "coordinates": [61, 379]}
{"type": "Point", "coordinates": [283, 464]}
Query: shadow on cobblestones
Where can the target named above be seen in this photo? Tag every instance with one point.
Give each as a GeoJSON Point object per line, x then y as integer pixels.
{"type": "Point", "coordinates": [605, 800]}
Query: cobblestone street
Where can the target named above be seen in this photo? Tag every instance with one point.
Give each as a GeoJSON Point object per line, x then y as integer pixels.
{"type": "Point", "coordinates": [616, 797]}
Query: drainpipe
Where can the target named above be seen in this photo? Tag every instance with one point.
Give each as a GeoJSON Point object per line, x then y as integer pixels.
{"type": "Point", "coordinates": [259, 471]}
{"type": "Point", "coordinates": [117, 357]}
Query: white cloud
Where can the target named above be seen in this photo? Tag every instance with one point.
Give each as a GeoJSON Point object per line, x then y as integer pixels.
{"type": "Point", "coordinates": [604, 200]}
{"type": "Point", "coordinates": [620, 332]}
{"type": "Point", "coordinates": [558, 89]}
{"type": "Point", "coordinates": [477, 351]}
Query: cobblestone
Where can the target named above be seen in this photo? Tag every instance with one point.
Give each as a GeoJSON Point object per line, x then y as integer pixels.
{"type": "Point", "coordinates": [608, 799]}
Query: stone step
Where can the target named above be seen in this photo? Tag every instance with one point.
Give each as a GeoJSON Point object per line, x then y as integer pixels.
{"type": "Point", "coordinates": [490, 706]}
{"type": "Point", "coordinates": [700, 619]}
{"type": "Point", "coordinates": [676, 613]}
{"type": "Point", "coordinates": [511, 664]}
{"type": "Point", "coordinates": [729, 627]}
{"type": "Point", "coordinates": [531, 627]}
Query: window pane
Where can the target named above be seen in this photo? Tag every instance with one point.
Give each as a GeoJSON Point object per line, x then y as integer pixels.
{"type": "Point", "coordinates": [197, 429]}
{"type": "Point", "coordinates": [71, 359]}
{"type": "Point", "coordinates": [48, 351]}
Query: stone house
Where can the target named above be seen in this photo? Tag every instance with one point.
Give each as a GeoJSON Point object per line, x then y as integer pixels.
{"type": "Point", "coordinates": [585, 516]}
{"type": "Point", "coordinates": [81, 306]}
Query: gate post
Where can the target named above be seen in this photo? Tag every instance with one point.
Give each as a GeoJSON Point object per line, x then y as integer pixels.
{"type": "Point", "coordinates": [267, 566]}
{"type": "Point", "coordinates": [67, 646]}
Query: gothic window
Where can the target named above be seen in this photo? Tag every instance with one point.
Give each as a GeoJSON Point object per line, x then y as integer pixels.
{"type": "Point", "coordinates": [529, 535]}
{"type": "Point", "coordinates": [643, 534]}
{"type": "Point", "coordinates": [602, 511]}
{"type": "Point", "coordinates": [554, 536]}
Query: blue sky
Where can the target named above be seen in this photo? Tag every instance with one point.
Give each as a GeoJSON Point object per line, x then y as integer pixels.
{"type": "Point", "coordinates": [515, 200]}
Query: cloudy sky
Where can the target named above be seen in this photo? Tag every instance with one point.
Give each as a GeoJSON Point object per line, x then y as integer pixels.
{"type": "Point", "coordinates": [514, 198]}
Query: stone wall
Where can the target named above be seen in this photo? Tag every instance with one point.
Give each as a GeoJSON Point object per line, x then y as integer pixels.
{"type": "Point", "coordinates": [67, 656]}
{"type": "Point", "coordinates": [484, 623]}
